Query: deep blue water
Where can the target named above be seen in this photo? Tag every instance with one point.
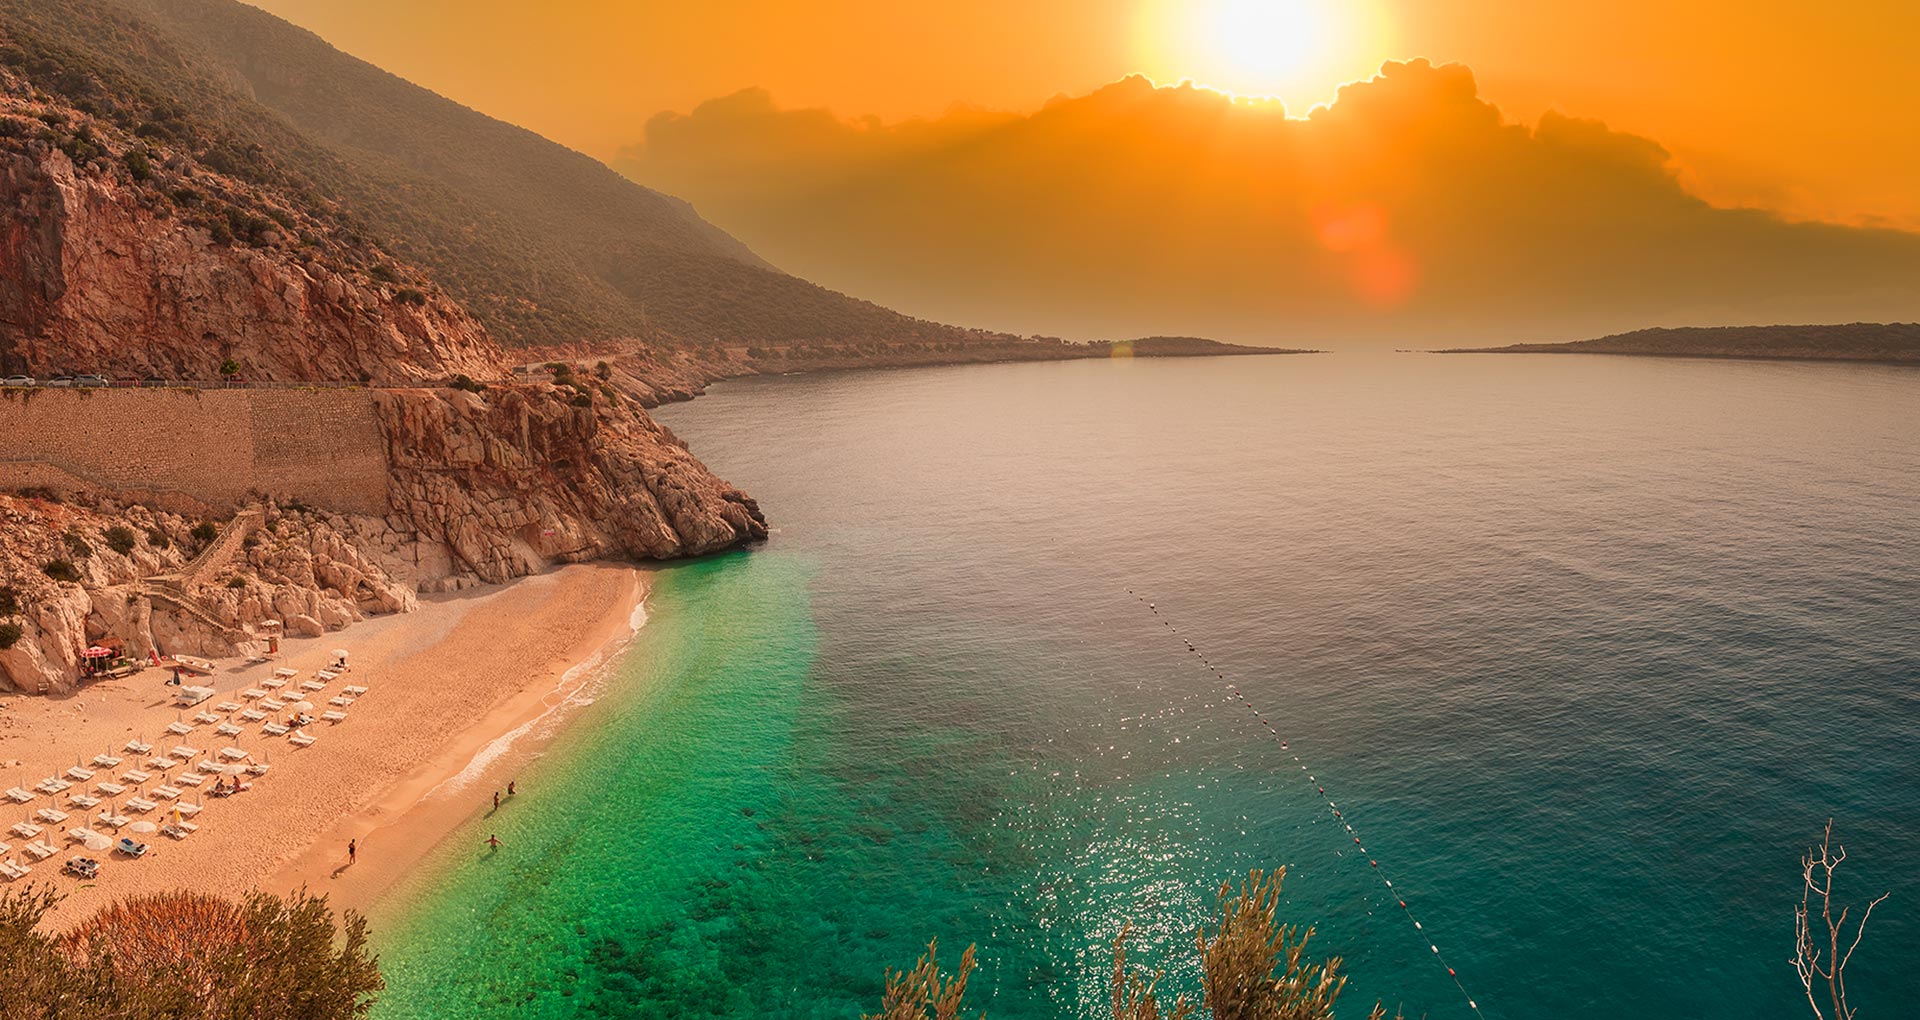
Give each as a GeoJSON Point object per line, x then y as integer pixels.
{"type": "Point", "coordinates": [1587, 649]}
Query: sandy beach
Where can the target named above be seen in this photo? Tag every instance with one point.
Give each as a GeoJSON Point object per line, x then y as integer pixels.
{"type": "Point", "coordinates": [457, 693]}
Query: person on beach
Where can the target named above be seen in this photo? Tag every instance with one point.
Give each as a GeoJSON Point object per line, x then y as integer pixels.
{"type": "Point", "coordinates": [496, 800]}
{"type": "Point", "coordinates": [493, 842]}
{"type": "Point", "coordinates": [353, 849]}
{"type": "Point", "coordinates": [509, 787]}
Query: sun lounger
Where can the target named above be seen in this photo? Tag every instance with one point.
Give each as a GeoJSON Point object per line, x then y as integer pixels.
{"type": "Point", "coordinates": [285, 673]}
{"type": "Point", "coordinates": [79, 834]}
{"type": "Point", "coordinates": [19, 796]}
{"type": "Point", "coordinates": [206, 718]}
{"type": "Point", "coordinates": [313, 685]}
{"type": "Point", "coordinates": [273, 729]}
{"type": "Point", "coordinates": [83, 801]}
{"type": "Point", "coordinates": [51, 785]}
{"type": "Point", "coordinates": [161, 764]}
{"type": "Point", "coordinates": [4, 847]}
{"type": "Point", "coordinates": [274, 684]}
{"type": "Point", "coordinates": [14, 872]}
{"type": "Point", "coordinates": [209, 766]}
{"type": "Point", "coordinates": [106, 761]}
{"type": "Point", "coordinates": [273, 704]}
{"type": "Point", "coordinates": [301, 740]}
{"type": "Point", "coordinates": [178, 728]}
{"type": "Point", "coordinates": [354, 691]}
{"type": "Point", "coordinates": [140, 804]}
{"type": "Point", "coordinates": [135, 776]}
{"type": "Point", "coordinates": [114, 821]}
{"type": "Point", "coordinates": [187, 810]}
{"type": "Point", "coordinates": [39, 850]}
{"type": "Point", "coordinates": [226, 706]}
{"type": "Point", "coordinates": [110, 789]}
{"type": "Point", "coordinates": [340, 700]}
{"type": "Point", "coordinates": [259, 768]}
{"type": "Point", "coordinates": [228, 729]}
{"type": "Point", "coordinates": [82, 867]}
{"type": "Point", "coordinates": [179, 830]}
{"type": "Point", "coordinates": [51, 816]}
{"type": "Point", "coordinates": [326, 676]}
{"type": "Point", "coordinates": [253, 715]}
{"type": "Point", "coordinates": [167, 792]}
{"type": "Point", "coordinates": [129, 847]}
{"type": "Point", "coordinates": [334, 717]}
{"type": "Point", "coordinates": [185, 752]}
{"type": "Point", "coordinates": [253, 694]}
{"type": "Point", "coordinates": [137, 746]}
{"type": "Point", "coordinates": [26, 830]}
{"type": "Point", "coordinates": [233, 754]}
{"type": "Point", "coordinates": [79, 774]}
{"type": "Point", "coordinates": [190, 779]}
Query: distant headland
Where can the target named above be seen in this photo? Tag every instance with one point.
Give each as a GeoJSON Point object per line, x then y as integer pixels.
{"type": "Point", "coordinates": [1885, 342]}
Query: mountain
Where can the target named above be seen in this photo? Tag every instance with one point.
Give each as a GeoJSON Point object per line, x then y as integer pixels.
{"type": "Point", "coordinates": [1408, 209]}
{"type": "Point", "coordinates": [1892, 342]}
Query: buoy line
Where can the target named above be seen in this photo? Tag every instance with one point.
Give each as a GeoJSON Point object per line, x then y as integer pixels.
{"type": "Point", "coordinates": [1235, 694]}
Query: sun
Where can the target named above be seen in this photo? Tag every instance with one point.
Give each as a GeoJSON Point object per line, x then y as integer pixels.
{"type": "Point", "coordinates": [1297, 50]}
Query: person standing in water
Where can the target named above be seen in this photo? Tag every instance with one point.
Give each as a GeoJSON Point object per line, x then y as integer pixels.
{"type": "Point", "coordinates": [493, 842]}
{"type": "Point", "coordinates": [510, 787]}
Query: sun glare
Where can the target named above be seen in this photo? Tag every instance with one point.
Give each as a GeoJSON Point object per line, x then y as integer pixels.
{"type": "Point", "coordinates": [1297, 50]}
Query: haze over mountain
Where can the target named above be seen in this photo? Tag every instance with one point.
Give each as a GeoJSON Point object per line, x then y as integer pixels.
{"type": "Point", "coordinates": [1408, 210]}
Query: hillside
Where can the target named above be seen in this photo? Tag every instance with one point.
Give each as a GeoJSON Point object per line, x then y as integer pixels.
{"type": "Point", "coordinates": [1897, 342]}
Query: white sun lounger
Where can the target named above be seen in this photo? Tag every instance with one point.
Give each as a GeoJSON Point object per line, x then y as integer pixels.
{"type": "Point", "coordinates": [137, 746]}
{"type": "Point", "coordinates": [273, 729]}
{"type": "Point", "coordinates": [207, 718]}
{"type": "Point", "coordinates": [14, 872]}
{"type": "Point", "coordinates": [313, 685]}
{"type": "Point", "coordinates": [185, 752]}
{"type": "Point", "coordinates": [19, 796]}
{"type": "Point", "coordinates": [114, 821]}
{"type": "Point", "coordinates": [135, 776]}
{"type": "Point", "coordinates": [107, 761]}
{"type": "Point", "coordinates": [285, 673]}
{"type": "Point", "coordinates": [253, 715]}
{"type": "Point", "coordinates": [26, 830]}
{"type": "Point", "coordinates": [190, 779]}
{"type": "Point", "coordinates": [209, 766]}
{"type": "Point", "coordinates": [226, 706]}
{"type": "Point", "coordinates": [340, 700]}
{"type": "Point", "coordinates": [140, 804]}
{"type": "Point", "coordinates": [51, 785]}
{"type": "Point", "coordinates": [253, 694]}
{"type": "Point", "coordinates": [228, 729]}
{"type": "Point", "coordinates": [274, 684]}
{"type": "Point", "coordinates": [178, 728]}
{"type": "Point", "coordinates": [273, 704]}
{"type": "Point", "coordinates": [79, 774]}
{"type": "Point", "coordinates": [39, 850]}
{"type": "Point", "coordinates": [326, 676]}
{"type": "Point", "coordinates": [259, 768]}
{"type": "Point", "coordinates": [110, 789]}
{"type": "Point", "coordinates": [51, 816]}
{"type": "Point", "coordinates": [301, 740]}
{"type": "Point", "coordinates": [187, 810]}
{"type": "Point", "coordinates": [79, 834]}
{"type": "Point", "coordinates": [334, 717]}
{"type": "Point", "coordinates": [179, 830]}
{"type": "Point", "coordinates": [161, 764]}
{"type": "Point", "coordinates": [4, 847]}
{"type": "Point", "coordinates": [354, 691]}
{"type": "Point", "coordinates": [233, 754]}
{"type": "Point", "coordinates": [83, 802]}
{"type": "Point", "coordinates": [167, 792]}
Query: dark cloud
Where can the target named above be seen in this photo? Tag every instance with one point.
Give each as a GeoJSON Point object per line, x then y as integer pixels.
{"type": "Point", "coordinates": [1407, 209]}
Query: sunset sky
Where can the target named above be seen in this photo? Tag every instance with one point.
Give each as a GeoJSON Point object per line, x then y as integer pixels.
{"type": "Point", "coordinates": [1805, 108]}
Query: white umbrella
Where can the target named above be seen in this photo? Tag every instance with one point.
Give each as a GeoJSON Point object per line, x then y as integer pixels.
{"type": "Point", "coordinates": [143, 827]}
{"type": "Point", "coordinates": [234, 770]}
{"type": "Point", "coordinates": [340, 653]}
{"type": "Point", "coordinates": [96, 842]}
{"type": "Point", "coordinates": [302, 706]}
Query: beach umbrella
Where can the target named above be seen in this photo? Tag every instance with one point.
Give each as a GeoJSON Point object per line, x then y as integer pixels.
{"type": "Point", "coordinates": [302, 706]}
{"type": "Point", "coordinates": [340, 653]}
{"type": "Point", "coordinates": [96, 842]}
{"type": "Point", "coordinates": [143, 827]}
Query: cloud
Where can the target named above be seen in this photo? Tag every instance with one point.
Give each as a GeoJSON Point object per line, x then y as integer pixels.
{"type": "Point", "coordinates": [1407, 209]}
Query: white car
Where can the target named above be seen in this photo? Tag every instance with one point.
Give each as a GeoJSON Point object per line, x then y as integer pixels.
{"type": "Point", "coordinates": [17, 380]}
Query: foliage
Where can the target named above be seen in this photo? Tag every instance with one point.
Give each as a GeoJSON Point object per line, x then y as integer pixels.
{"type": "Point", "coordinates": [204, 532]}
{"type": "Point", "coordinates": [229, 367]}
{"type": "Point", "coordinates": [120, 539]}
{"type": "Point", "coordinates": [10, 634]}
{"type": "Point", "coordinates": [464, 381]}
{"type": "Point", "coordinates": [9, 600]}
{"type": "Point", "coordinates": [158, 539]}
{"type": "Point", "coordinates": [139, 165]}
{"type": "Point", "coordinates": [922, 993]}
{"type": "Point", "coordinates": [1251, 968]}
{"type": "Point", "coordinates": [61, 570]}
{"type": "Point", "coordinates": [187, 956]}
{"type": "Point", "coordinates": [236, 581]}
{"type": "Point", "coordinates": [77, 543]}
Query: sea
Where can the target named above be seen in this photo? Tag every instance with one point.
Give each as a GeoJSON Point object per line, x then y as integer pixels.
{"type": "Point", "coordinates": [1584, 651]}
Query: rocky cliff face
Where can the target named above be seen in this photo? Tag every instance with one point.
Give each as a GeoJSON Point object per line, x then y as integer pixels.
{"type": "Point", "coordinates": [521, 476]}
{"type": "Point", "coordinates": [98, 275]}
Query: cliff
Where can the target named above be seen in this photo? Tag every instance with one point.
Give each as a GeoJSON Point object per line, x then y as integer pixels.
{"type": "Point", "coordinates": [1892, 343]}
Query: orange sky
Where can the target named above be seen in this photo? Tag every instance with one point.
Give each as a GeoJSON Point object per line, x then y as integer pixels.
{"type": "Point", "coordinates": [1805, 108]}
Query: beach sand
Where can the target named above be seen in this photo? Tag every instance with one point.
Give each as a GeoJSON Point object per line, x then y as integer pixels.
{"type": "Point", "coordinates": [458, 693]}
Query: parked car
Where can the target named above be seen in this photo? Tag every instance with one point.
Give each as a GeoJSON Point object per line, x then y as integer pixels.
{"type": "Point", "coordinates": [153, 382]}
{"type": "Point", "coordinates": [17, 380]}
{"type": "Point", "coordinates": [60, 380]}
{"type": "Point", "coordinates": [90, 380]}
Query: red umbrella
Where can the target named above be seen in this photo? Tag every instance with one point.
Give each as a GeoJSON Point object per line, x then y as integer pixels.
{"type": "Point", "coordinates": [97, 652]}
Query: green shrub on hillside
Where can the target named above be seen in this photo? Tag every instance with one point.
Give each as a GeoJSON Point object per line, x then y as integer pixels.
{"type": "Point", "coordinates": [77, 543]}
{"type": "Point", "coordinates": [158, 539]}
{"type": "Point", "coordinates": [204, 532]}
{"type": "Point", "coordinates": [120, 539]}
{"type": "Point", "coordinates": [10, 633]}
{"type": "Point", "coordinates": [9, 600]}
{"type": "Point", "coordinates": [61, 570]}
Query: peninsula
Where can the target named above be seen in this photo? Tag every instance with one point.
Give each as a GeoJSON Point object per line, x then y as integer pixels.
{"type": "Point", "coordinates": [1890, 342]}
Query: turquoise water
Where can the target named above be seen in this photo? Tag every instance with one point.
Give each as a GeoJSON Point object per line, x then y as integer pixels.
{"type": "Point", "coordinates": [1587, 648]}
